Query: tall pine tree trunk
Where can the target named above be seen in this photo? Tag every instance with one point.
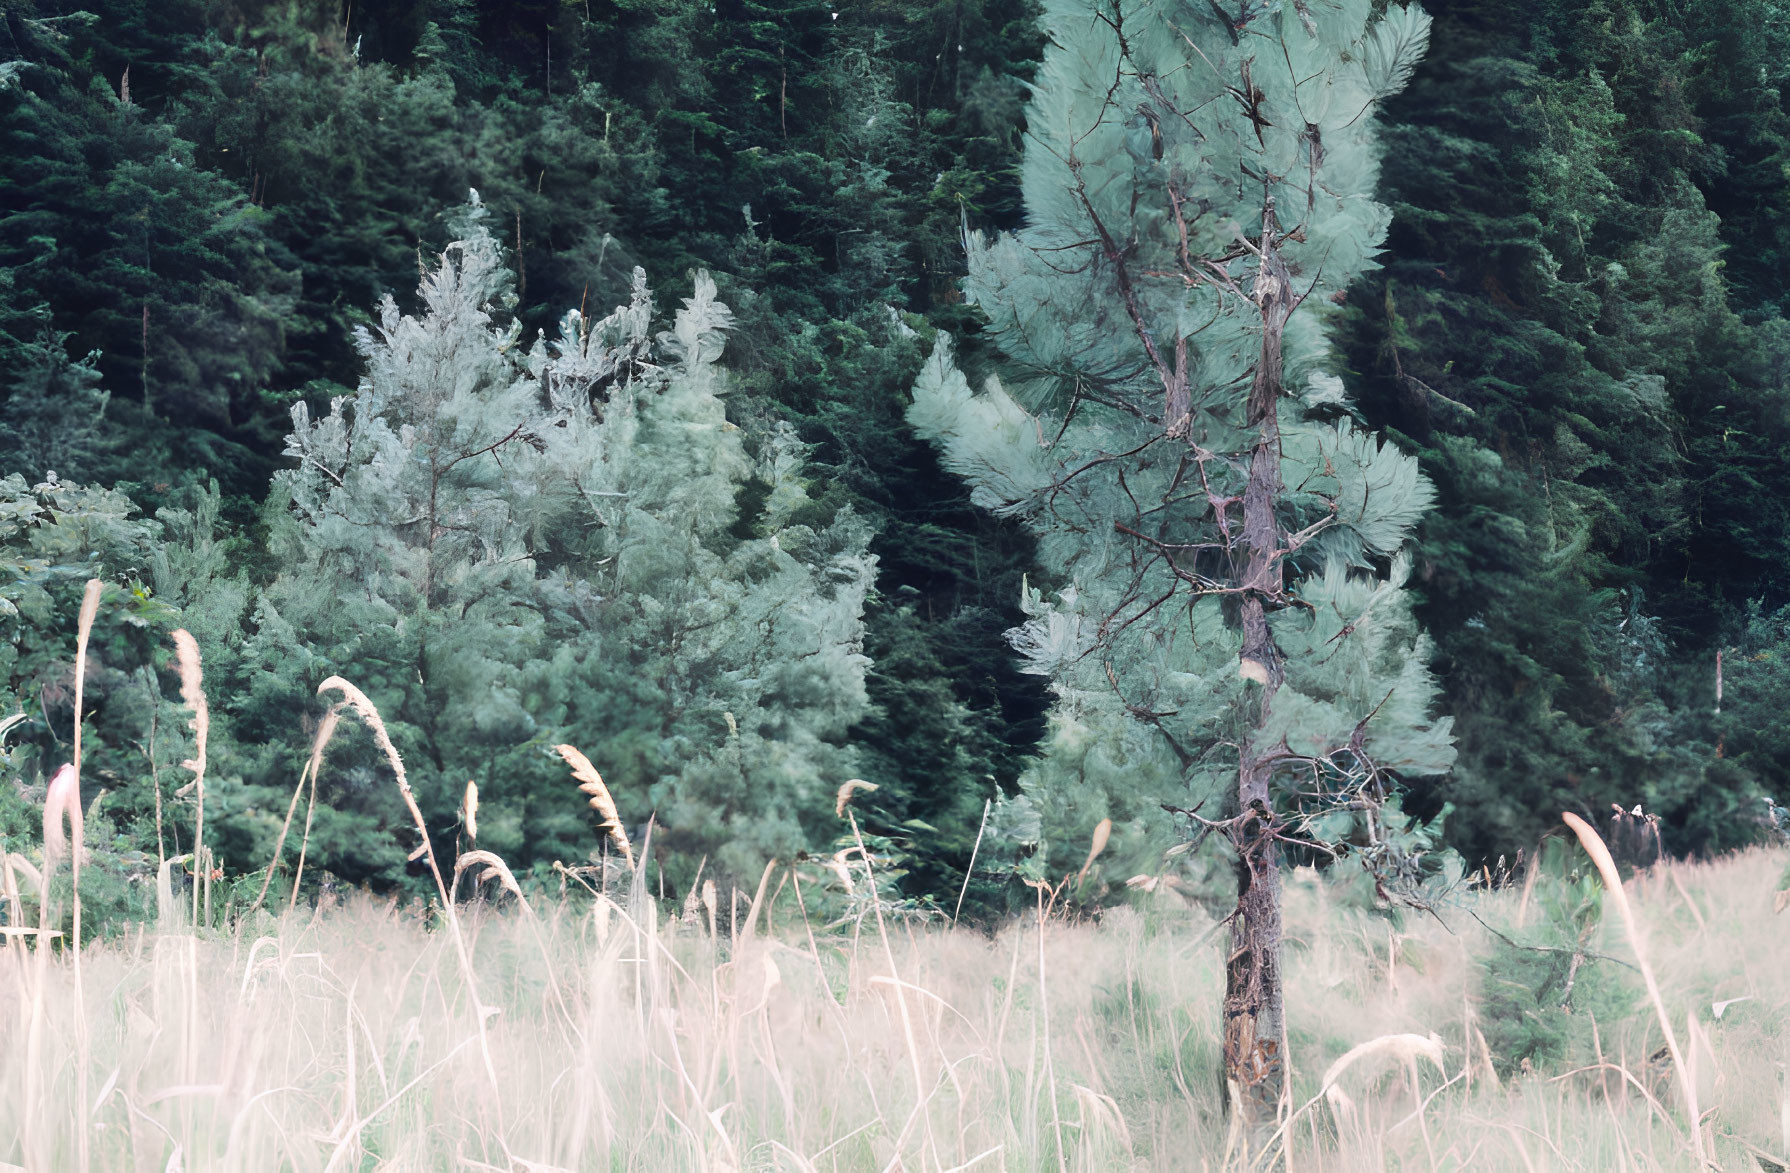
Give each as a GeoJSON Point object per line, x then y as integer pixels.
{"type": "Point", "coordinates": [1254, 1001]}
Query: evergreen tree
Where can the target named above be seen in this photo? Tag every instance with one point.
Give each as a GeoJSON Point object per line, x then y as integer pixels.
{"type": "Point", "coordinates": [1232, 619]}
{"type": "Point", "coordinates": [1552, 333]}
{"type": "Point", "coordinates": [158, 267]}
{"type": "Point", "coordinates": [55, 535]}
{"type": "Point", "coordinates": [56, 411]}
{"type": "Point", "coordinates": [512, 548]}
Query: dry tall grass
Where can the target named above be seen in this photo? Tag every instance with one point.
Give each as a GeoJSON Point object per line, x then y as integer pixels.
{"type": "Point", "coordinates": [350, 1038]}
{"type": "Point", "coordinates": [344, 1038]}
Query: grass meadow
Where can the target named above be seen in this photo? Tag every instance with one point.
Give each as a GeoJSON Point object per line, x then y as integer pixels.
{"type": "Point", "coordinates": [588, 1033]}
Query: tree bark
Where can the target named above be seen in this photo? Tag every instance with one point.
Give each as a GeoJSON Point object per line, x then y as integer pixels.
{"type": "Point", "coordinates": [1254, 1000]}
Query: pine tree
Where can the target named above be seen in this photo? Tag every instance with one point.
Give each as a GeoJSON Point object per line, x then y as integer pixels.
{"type": "Point", "coordinates": [1232, 619]}
{"type": "Point", "coordinates": [1556, 334]}
{"type": "Point", "coordinates": [54, 414]}
{"type": "Point", "coordinates": [509, 548]}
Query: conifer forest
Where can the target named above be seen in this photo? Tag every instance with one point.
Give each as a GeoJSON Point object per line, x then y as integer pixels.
{"type": "Point", "coordinates": [894, 584]}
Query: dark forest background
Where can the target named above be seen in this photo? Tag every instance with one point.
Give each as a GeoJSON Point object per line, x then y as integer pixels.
{"type": "Point", "coordinates": [1578, 328]}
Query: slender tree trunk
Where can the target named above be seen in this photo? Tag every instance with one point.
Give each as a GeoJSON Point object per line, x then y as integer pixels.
{"type": "Point", "coordinates": [1254, 1001]}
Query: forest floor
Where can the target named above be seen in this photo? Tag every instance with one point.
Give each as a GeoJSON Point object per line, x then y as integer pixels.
{"type": "Point", "coordinates": [583, 1037]}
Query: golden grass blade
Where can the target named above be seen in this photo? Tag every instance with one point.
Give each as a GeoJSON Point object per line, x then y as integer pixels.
{"type": "Point", "coordinates": [63, 801]}
{"type": "Point", "coordinates": [326, 729]}
{"type": "Point", "coordinates": [17, 865]}
{"type": "Point", "coordinates": [62, 816]}
{"type": "Point", "coordinates": [1103, 831]}
{"type": "Point", "coordinates": [1404, 1047]}
{"type": "Point", "coordinates": [495, 868]}
{"type": "Point", "coordinates": [969, 872]}
{"type": "Point", "coordinates": [591, 783]}
{"type": "Point", "coordinates": [469, 810]}
{"type": "Point", "coordinates": [1407, 1048]}
{"type": "Point", "coordinates": [83, 633]}
{"type": "Point", "coordinates": [370, 714]}
{"type": "Point", "coordinates": [83, 630]}
{"type": "Point", "coordinates": [192, 691]}
{"type": "Point", "coordinates": [846, 790]}
{"type": "Point", "coordinates": [167, 911]}
{"type": "Point", "coordinates": [757, 902]}
{"type": "Point", "coordinates": [1606, 867]}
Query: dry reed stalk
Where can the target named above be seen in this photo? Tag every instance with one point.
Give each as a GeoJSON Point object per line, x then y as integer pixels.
{"type": "Point", "coordinates": [12, 866]}
{"type": "Point", "coordinates": [591, 783]}
{"type": "Point", "coordinates": [846, 790]}
{"type": "Point", "coordinates": [1050, 1068]}
{"type": "Point", "coordinates": [304, 841]}
{"type": "Point", "coordinates": [495, 869]}
{"type": "Point", "coordinates": [62, 801]}
{"type": "Point", "coordinates": [370, 715]}
{"type": "Point", "coordinates": [1103, 831]}
{"type": "Point", "coordinates": [764, 880]}
{"type": "Point", "coordinates": [83, 633]}
{"type": "Point", "coordinates": [84, 629]}
{"type": "Point", "coordinates": [192, 691]}
{"type": "Point", "coordinates": [165, 903]}
{"type": "Point", "coordinates": [1534, 870]}
{"type": "Point", "coordinates": [1784, 1120]}
{"type": "Point", "coordinates": [1406, 1047]}
{"type": "Point", "coordinates": [922, 1101]}
{"type": "Point", "coordinates": [469, 810]}
{"type": "Point", "coordinates": [326, 729]}
{"type": "Point", "coordinates": [1606, 867]}
{"type": "Point", "coordinates": [1672, 872]}
{"type": "Point", "coordinates": [970, 871]}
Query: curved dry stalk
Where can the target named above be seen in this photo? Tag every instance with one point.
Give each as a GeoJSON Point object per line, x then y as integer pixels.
{"type": "Point", "coordinates": [1103, 831]}
{"type": "Point", "coordinates": [469, 811]}
{"type": "Point", "coordinates": [84, 629]}
{"type": "Point", "coordinates": [192, 691]}
{"type": "Point", "coordinates": [370, 714]}
{"type": "Point", "coordinates": [591, 783]}
{"type": "Point", "coordinates": [326, 729]}
{"type": "Point", "coordinates": [62, 801]}
{"type": "Point", "coordinates": [1606, 867]}
{"type": "Point", "coordinates": [495, 869]}
{"type": "Point", "coordinates": [62, 817]}
{"type": "Point", "coordinates": [846, 790]}
{"type": "Point", "coordinates": [83, 633]}
{"type": "Point", "coordinates": [304, 844]}
{"type": "Point", "coordinates": [1406, 1047]}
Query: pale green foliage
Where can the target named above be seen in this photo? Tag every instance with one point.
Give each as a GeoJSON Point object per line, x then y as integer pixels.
{"type": "Point", "coordinates": [509, 547]}
{"type": "Point", "coordinates": [54, 537]}
{"type": "Point", "coordinates": [1133, 98]}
